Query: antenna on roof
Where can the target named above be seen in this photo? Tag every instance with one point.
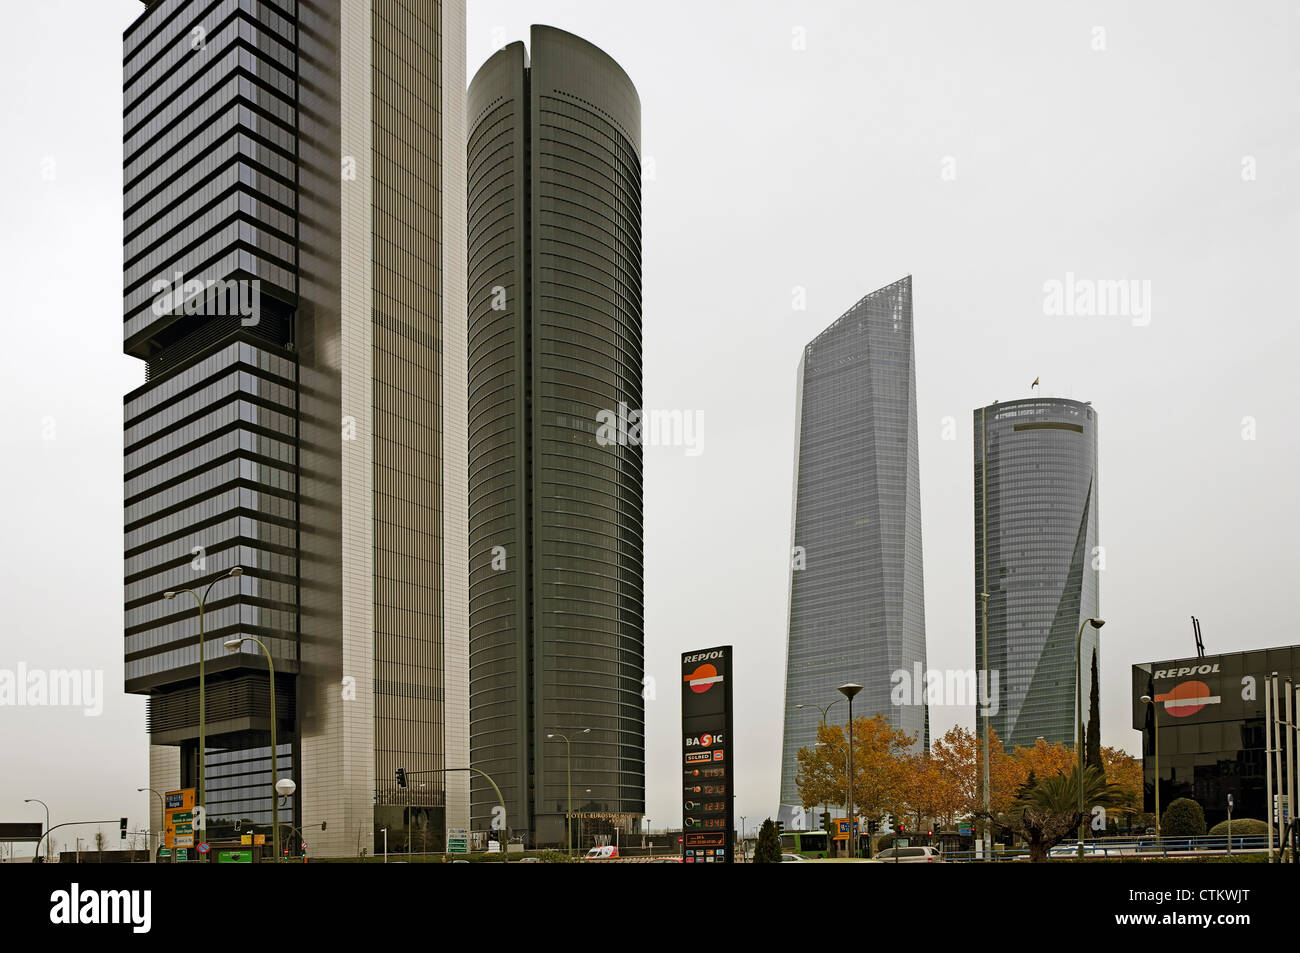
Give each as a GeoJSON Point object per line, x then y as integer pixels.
{"type": "Point", "coordinates": [1196, 630]}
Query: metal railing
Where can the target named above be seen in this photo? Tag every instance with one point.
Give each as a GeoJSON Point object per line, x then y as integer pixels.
{"type": "Point", "coordinates": [1149, 846]}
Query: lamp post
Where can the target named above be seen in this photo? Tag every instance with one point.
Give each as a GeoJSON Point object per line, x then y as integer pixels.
{"type": "Point", "coordinates": [830, 838]}
{"type": "Point", "coordinates": [568, 756]}
{"type": "Point", "coordinates": [848, 691]}
{"type": "Point", "coordinates": [823, 709]}
{"type": "Point", "coordinates": [162, 814]}
{"type": "Point", "coordinates": [987, 839]}
{"type": "Point", "coordinates": [1078, 743]}
{"type": "Point", "coordinates": [232, 645]}
{"type": "Point", "coordinates": [202, 600]}
{"type": "Point", "coordinates": [30, 800]}
{"type": "Point", "coordinates": [1155, 730]}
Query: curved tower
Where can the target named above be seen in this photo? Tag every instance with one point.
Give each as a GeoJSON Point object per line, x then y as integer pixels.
{"type": "Point", "coordinates": [556, 599]}
{"type": "Point", "coordinates": [857, 598]}
{"type": "Point", "coordinates": [1043, 561]}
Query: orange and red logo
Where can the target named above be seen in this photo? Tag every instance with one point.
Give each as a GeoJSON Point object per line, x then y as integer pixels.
{"type": "Point", "coordinates": [1187, 698]}
{"type": "Point", "coordinates": [703, 678]}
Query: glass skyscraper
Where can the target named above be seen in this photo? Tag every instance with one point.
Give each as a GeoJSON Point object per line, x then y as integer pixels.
{"type": "Point", "coordinates": [556, 600]}
{"type": "Point", "coordinates": [857, 598]}
{"type": "Point", "coordinates": [1043, 561]}
{"type": "Point", "coordinates": [294, 284]}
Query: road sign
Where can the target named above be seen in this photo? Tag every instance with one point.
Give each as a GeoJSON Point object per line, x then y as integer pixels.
{"type": "Point", "coordinates": [457, 842]}
{"type": "Point", "coordinates": [182, 854]}
{"type": "Point", "coordinates": [164, 852]}
{"type": "Point", "coordinates": [234, 856]}
{"type": "Point", "coordinates": [181, 800]}
{"type": "Point", "coordinates": [203, 848]}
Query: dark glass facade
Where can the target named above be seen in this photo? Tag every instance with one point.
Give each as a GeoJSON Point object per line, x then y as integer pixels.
{"type": "Point", "coordinates": [857, 597]}
{"type": "Point", "coordinates": [1043, 558]}
{"type": "Point", "coordinates": [287, 236]}
{"type": "Point", "coordinates": [1210, 713]}
{"type": "Point", "coordinates": [556, 601]}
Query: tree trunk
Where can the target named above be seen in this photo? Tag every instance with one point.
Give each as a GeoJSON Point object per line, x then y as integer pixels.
{"type": "Point", "coordinates": [1037, 852]}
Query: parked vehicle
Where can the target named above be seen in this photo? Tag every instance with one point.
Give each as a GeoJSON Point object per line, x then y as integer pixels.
{"type": "Point", "coordinates": [608, 852]}
{"type": "Point", "coordinates": [910, 855]}
{"type": "Point", "coordinates": [793, 859]}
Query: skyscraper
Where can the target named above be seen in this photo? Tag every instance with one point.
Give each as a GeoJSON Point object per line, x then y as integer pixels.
{"type": "Point", "coordinates": [857, 599]}
{"type": "Point", "coordinates": [294, 283]}
{"type": "Point", "coordinates": [1043, 561]}
{"type": "Point", "coordinates": [556, 602]}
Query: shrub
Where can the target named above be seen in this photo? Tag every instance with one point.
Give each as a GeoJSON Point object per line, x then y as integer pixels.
{"type": "Point", "coordinates": [1183, 818]}
{"type": "Point", "coordinates": [768, 849]}
{"type": "Point", "coordinates": [1241, 827]}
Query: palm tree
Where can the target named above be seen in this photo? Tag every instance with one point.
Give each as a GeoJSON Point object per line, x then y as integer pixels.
{"type": "Point", "coordinates": [1047, 812]}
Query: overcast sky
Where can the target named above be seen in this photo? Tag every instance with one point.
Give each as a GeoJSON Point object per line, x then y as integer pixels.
{"type": "Point", "coordinates": [831, 146]}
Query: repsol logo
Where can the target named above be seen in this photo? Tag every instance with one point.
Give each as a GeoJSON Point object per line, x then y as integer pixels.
{"type": "Point", "coordinates": [700, 657]}
{"type": "Point", "coordinates": [1186, 670]}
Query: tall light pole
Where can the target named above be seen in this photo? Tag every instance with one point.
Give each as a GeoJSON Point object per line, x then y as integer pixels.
{"type": "Point", "coordinates": [232, 645]}
{"type": "Point", "coordinates": [823, 709]}
{"type": "Point", "coordinates": [203, 738]}
{"type": "Point", "coordinates": [984, 623]}
{"type": "Point", "coordinates": [29, 800]}
{"type": "Point", "coordinates": [825, 744]}
{"type": "Point", "coordinates": [848, 691]}
{"type": "Point", "coordinates": [1078, 695]}
{"type": "Point", "coordinates": [568, 757]}
{"type": "Point", "coordinates": [162, 813]}
{"type": "Point", "coordinates": [1155, 730]}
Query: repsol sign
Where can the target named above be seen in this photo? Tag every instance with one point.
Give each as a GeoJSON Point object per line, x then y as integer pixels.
{"type": "Point", "coordinates": [1186, 670]}
{"type": "Point", "coordinates": [700, 657]}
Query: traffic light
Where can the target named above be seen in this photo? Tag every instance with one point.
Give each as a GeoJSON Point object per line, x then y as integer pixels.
{"type": "Point", "coordinates": [826, 820]}
{"type": "Point", "coordinates": [780, 827]}
{"type": "Point", "coordinates": [124, 828]}
{"type": "Point", "coordinates": [401, 777]}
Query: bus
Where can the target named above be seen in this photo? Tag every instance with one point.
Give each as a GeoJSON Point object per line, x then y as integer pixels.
{"type": "Point", "coordinates": [805, 843]}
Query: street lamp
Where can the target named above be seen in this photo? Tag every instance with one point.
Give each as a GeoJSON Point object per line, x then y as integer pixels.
{"type": "Point", "coordinates": [568, 755]}
{"type": "Point", "coordinates": [203, 737]}
{"type": "Point", "coordinates": [823, 709]}
{"type": "Point", "coordinates": [1078, 695]}
{"type": "Point", "coordinates": [830, 838]}
{"type": "Point", "coordinates": [1155, 730]}
{"type": "Point", "coordinates": [848, 691]}
{"type": "Point", "coordinates": [284, 787]}
{"type": "Point", "coordinates": [162, 811]}
{"type": "Point", "coordinates": [29, 800]}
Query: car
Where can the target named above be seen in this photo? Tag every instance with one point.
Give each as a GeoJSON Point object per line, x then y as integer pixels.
{"type": "Point", "coordinates": [608, 852]}
{"type": "Point", "coordinates": [529, 860]}
{"type": "Point", "coordinates": [910, 855]}
{"type": "Point", "coordinates": [1072, 850]}
{"type": "Point", "coordinates": [793, 859]}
